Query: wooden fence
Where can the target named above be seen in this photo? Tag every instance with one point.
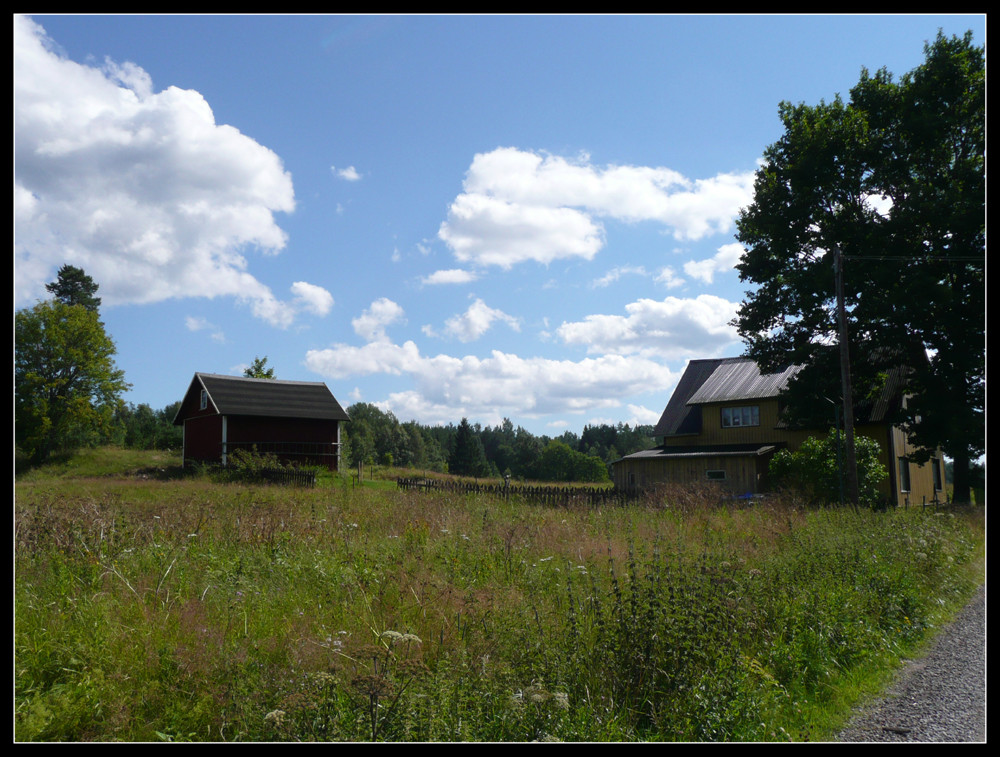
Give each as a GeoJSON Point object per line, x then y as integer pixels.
{"type": "Point", "coordinates": [285, 476]}
{"type": "Point", "coordinates": [547, 495]}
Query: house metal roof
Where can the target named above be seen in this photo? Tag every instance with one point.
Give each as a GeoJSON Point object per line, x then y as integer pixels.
{"type": "Point", "coordinates": [735, 379]}
{"type": "Point", "coordinates": [703, 450]}
{"type": "Point", "coordinates": [738, 379]}
{"type": "Point", "coordinates": [232, 395]}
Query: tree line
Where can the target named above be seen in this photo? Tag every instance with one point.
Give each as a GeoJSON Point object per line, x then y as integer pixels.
{"type": "Point", "coordinates": [376, 436]}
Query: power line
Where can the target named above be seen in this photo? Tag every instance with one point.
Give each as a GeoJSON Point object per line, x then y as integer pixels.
{"type": "Point", "coordinates": [927, 259]}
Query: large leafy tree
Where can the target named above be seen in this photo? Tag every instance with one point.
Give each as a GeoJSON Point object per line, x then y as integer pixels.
{"type": "Point", "coordinates": [66, 383]}
{"type": "Point", "coordinates": [894, 179]}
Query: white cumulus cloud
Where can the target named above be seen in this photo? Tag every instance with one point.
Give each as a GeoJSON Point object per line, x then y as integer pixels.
{"type": "Point", "coordinates": [372, 323]}
{"type": "Point", "coordinates": [723, 261]}
{"type": "Point", "coordinates": [446, 387]}
{"type": "Point", "coordinates": [450, 276]}
{"type": "Point", "coordinates": [142, 189]}
{"type": "Point", "coordinates": [476, 321]}
{"type": "Point", "coordinates": [673, 328]}
{"type": "Point", "coordinates": [518, 205]}
{"type": "Point", "coordinates": [313, 298]}
{"type": "Point", "coordinates": [348, 174]}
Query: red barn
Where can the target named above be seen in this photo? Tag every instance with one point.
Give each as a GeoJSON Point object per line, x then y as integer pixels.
{"type": "Point", "coordinates": [298, 421]}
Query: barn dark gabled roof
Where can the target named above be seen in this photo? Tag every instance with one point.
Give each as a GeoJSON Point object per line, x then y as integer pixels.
{"type": "Point", "coordinates": [232, 395]}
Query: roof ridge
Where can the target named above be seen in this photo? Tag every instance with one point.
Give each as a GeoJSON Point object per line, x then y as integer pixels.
{"type": "Point", "coordinates": [254, 378]}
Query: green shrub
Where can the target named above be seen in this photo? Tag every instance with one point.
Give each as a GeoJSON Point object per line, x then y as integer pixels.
{"type": "Point", "coordinates": [813, 470]}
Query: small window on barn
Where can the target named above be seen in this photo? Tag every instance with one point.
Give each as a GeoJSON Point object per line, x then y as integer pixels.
{"type": "Point", "coordinates": [204, 399]}
{"type": "Point", "coordinates": [715, 475]}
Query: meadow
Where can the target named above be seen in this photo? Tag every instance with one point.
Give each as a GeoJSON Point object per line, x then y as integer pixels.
{"type": "Point", "coordinates": [152, 605]}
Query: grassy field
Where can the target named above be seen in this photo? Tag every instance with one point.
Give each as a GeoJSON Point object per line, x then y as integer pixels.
{"type": "Point", "coordinates": [155, 606]}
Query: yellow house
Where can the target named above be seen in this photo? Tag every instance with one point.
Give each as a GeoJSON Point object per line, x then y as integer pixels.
{"type": "Point", "coordinates": [722, 425]}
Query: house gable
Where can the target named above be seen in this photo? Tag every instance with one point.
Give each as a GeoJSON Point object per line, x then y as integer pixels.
{"type": "Point", "coordinates": [707, 386]}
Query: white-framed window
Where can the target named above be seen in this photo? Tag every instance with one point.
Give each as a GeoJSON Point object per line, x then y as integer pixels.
{"type": "Point", "coordinates": [204, 399]}
{"type": "Point", "coordinates": [715, 475]}
{"type": "Point", "coordinates": [737, 417]}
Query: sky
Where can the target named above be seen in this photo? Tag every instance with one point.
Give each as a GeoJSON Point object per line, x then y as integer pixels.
{"type": "Point", "coordinates": [482, 217]}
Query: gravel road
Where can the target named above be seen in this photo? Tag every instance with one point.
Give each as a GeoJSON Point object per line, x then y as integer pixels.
{"type": "Point", "coordinates": [941, 697]}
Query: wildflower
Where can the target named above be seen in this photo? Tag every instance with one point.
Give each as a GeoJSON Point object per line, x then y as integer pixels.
{"type": "Point", "coordinates": [277, 717]}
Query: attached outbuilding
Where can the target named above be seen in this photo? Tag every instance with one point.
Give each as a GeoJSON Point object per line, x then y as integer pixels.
{"type": "Point", "coordinates": [297, 421]}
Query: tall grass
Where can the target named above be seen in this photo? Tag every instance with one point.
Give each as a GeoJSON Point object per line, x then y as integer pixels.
{"type": "Point", "coordinates": [182, 609]}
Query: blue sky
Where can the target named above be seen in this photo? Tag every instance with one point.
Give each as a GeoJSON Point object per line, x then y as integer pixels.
{"type": "Point", "coordinates": [447, 216]}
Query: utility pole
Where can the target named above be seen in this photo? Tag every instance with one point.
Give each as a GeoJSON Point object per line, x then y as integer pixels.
{"type": "Point", "coordinates": [845, 380]}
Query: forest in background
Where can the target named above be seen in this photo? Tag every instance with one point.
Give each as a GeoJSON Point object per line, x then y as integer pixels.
{"type": "Point", "coordinates": [377, 437]}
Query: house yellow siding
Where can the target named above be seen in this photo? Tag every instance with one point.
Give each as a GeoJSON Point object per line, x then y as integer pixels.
{"type": "Point", "coordinates": [768, 432]}
{"type": "Point", "coordinates": [925, 482]}
{"type": "Point", "coordinates": [736, 473]}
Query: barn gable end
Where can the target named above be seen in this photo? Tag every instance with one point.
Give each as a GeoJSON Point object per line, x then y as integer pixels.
{"type": "Point", "coordinates": [298, 421]}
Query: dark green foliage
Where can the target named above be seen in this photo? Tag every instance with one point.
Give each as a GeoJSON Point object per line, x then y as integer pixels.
{"type": "Point", "coordinates": [376, 436]}
{"type": "Point", "coordinates": [813, 470]}
{"type": "Point", "coordinates": [66, 383]}
{"type": "Point", "coordinates": [468, 457]}
{"type": "Point", "coordinates": [894, 177]}
{"type": "Point", "coordinates": [74, 287]}
{"type": "Point", "coordinates": [141, 427]}
{"type": "Point", "coordinates": [259, 369]}
{"type": "Point", "coordinates": [560, 463]}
